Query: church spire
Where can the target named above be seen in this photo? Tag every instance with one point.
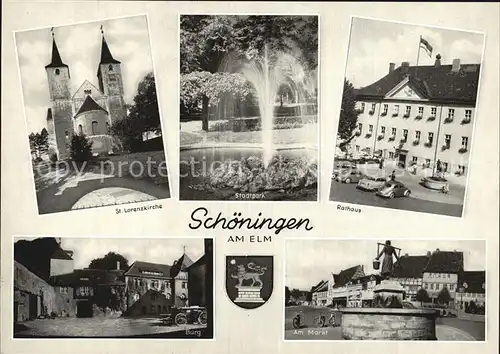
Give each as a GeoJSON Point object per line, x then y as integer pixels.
{"type": "Point", "coordinates": [56, 61]}
{"type": "Point", "coordinates": [106, 57]}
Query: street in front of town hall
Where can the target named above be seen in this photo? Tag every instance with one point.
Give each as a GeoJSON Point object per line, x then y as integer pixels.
{"type": "Point", "coordinates": [421, 198]}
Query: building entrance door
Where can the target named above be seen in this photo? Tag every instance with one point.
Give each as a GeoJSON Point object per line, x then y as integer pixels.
{"type": "Point", "coordinates": [33, 306]}
{"type": "Point", "coordinates": [84, 309]}
{"type": "Point", "coordinates": [402, 159]}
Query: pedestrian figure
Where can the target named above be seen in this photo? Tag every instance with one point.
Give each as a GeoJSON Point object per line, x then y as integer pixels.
{"type": "Point", "coordinates": [393, 175]}
{"type": "Point", "coordinates": [446, 188]}
{"type": "Point", "coordinates": [381, 164]}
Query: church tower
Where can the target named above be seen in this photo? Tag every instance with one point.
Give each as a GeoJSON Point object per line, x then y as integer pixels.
{"type": "Point", "coordinates": [110, 79]}
{"type": "Point", "coordinates": [58, 77]}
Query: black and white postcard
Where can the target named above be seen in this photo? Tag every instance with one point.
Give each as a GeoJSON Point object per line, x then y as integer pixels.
{"type": "Point", "coordinates": [94, 128]}
{"type": "Point", "coordinates": [407, 117]}
{"type": "Point", "coordinates": [113, 288]}
{"type": "Point", "coordinates": [385, 290]}
{"type": "Point", "coordinates": [249, 108]}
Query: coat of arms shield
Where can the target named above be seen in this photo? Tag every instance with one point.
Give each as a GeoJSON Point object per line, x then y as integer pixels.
{"type": "Point", "coordinates": [249, 280]}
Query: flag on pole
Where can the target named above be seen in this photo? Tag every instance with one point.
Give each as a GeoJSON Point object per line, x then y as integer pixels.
{"type": "Point", "coordinates": [427, 47]}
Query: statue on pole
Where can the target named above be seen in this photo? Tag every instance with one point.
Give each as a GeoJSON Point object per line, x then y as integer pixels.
{"type": "Point", "coordinates": [388, 251]}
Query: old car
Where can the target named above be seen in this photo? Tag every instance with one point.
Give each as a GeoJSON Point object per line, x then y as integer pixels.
{"type": "Point", "coordinates": [392, 189]}
{"type": "Point", "coordinates": [371, 183]}
{"type": "Point", "coordinates": [349, 176]}
{"type": "Point", "coordinates": [342, 165]}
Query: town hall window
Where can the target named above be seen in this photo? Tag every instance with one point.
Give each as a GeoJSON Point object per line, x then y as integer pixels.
{"type": "Point", "coordinates": [373, 107]}
{"type": "Point", "coordinates": [396, 109]}
{"type": "Point", "coordinates": [393, 131]}
{"type": "Point", "coordinates": [408, 110]}
{"type": "Point", "coordinates": [370, 128]}
{"type": "Point", "coordinates": [433, 111]}
{"type": "Point", "coordinates": [468, 114]}
{"type": "Point", "coordinates": [465, 142]}
{"type": "Point", "coordinates": [405, 134]}
{"type": "Point", "coordinates": [447, 140]}
{"type": "Point", "coordinates": [382, 130]}
{"type": "Point", "coordinates": [451, 113]}
{"type": "Point", "coordinates": [431, 137]}
{"type": "Point", "coordinates": [421, 110]}
{"type": "Point", "coordinates": [386, 108]}
{"type": "Point", "coordinates": [417, 135]}
{"type": "Point", "coordinates": [94, 128]}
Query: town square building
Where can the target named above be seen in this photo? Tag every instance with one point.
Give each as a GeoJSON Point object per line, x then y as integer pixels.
{"type": "Point", "coordinates": [417, 115]}
{"type": "Point", "coordinates": [471, 287]}
{"type": "Point", "coordinates": [409, 273]}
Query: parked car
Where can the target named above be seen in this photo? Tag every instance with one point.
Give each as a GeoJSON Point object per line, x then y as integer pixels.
{"type": "Point", "coordinates": [393, 189]}
{"type": "Point", "coordinates": [350, 176]}
{"type": "Point", "coordinates": [370, 183]}
{"type": "Point", "coordinates": [342, 165]}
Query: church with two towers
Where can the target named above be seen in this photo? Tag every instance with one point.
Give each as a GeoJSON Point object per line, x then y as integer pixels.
{"type": "Point", "coordinates": [90, 111]}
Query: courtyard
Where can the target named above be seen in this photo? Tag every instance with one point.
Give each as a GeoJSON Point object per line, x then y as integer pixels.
{"type": "Point", "coordinates": [105, 327]}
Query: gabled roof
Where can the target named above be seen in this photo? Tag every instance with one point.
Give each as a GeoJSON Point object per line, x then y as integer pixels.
{"type": "Point", "coordinates": [147, 269]}
{"type": "Point", "coordinates": [106, 57]}
{"type": "Point", "coordinates": [87, 84]}
{"type": "Point", "coordinates": [438, 83]}
{"type": "Point", "coordinates": [410, 266]}
{"type": "Point", "coordinates": [475, 281]}
{"type": "Point", "coordinates": [181, 264]}
{"type": "Point", "coordinates": [445, 262]}
{"type": "Point", "coordinates": [345, 276]}
{"type": "Point", "coordinates": [56, 61]}
{"type": "Point", "coordinates": [318, 286]}
{"type": "Point", "coordinates": [89, 105]}
{"type": "Point", "coordinates": [60, 254]}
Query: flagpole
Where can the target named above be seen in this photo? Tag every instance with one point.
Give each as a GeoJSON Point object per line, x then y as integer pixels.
{"type": "Point", "coordinates": [418, 54]}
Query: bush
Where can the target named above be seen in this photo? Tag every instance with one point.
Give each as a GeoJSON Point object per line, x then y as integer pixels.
{"type": "Point", "coordinates": [81, 148]}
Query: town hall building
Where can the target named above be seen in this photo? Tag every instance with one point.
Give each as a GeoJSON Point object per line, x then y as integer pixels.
{"type": "Point", "coordinates": [417, 115]}
{"type": "Point", "coordinates": [89, 111]}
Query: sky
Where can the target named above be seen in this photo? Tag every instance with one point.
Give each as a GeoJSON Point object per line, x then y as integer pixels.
{"type": "Point", "coordinates": [157, 250]}
{"type": "Point", "coordinates": [80, 48]}
{"type": "Point", "coordinates": [374, 44]}
{"type": "Point", "coordinates": [310, 261]}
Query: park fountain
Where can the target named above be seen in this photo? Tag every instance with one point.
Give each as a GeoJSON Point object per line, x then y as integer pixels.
{"type": "Point", "coordinates": [282, 171]}
{"type": "Point", "coordinates": [387, 319]}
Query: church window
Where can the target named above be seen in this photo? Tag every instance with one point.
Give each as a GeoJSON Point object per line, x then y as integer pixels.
{"type": "Point", "coordinates": [80, 129]}
{"type": "Point", "coordinates": [57, 71]}
{"type": "Point", "coordinates": [110, 67]}
{"type": "Point", "coordinates": [94, 128]}
{"type": "Point", "coordinates": [87, 92]}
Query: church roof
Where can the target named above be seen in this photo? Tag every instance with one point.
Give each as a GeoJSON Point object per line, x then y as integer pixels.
{"type": "Point", "coordinates": [89, 105]}
{"type": "Point", "coordinates": [106, 56]}
{"type": "Point", "coordinates": [56, 61]}
{"type": "Point", "coordinates": [436, 83]}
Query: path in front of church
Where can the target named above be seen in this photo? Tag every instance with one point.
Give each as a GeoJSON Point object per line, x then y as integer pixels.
{"type": "Point", "coordinates": [95, 190]}
{"type": "Point", "coordinates": [107, 327]}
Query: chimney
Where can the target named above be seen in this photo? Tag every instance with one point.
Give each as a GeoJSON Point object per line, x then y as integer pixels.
{"type": "Point", "coordinates": [391, 68]}
{"type": "Point", "coordinates": [428, 253]}
{"type": "Point", "coordinates": [118, 265]}
{"type": "Point", "coordinates": [406, 254]}
{"type": "Point", "coordinates": [437, 63]}
{"type": "Point", "coordinates": [455, 67]}
{"type": "Point", "coordinates": [437, 249]}
{"type": "Point", "coordinates": [405, 66]}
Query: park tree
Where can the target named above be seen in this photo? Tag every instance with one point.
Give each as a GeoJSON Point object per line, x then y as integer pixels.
{"type": "Point", "coordinates": [287, 295]}
{"type": "Point", "coordinates": [143, 116]}
{"type": "Point", "coordinates": [109, 261]}
{"type": "Point", "coordinates": [348, 114]}
{"type": "Point", "coordinates": [80, 148]}
{"type": "Point", "coordinates": [39, 143]}
{"type": "Point", "coordinates": [444, 296]}
{"type": "Point", "coordinates": [207, 41]}
{"type": "Point", "coordinates": [423, 296]}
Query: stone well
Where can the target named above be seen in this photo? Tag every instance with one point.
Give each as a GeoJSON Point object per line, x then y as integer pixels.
{"type": "Point", "coordinates": [433, 184]}
{"type": "Point", "coordinates": [388, 324]}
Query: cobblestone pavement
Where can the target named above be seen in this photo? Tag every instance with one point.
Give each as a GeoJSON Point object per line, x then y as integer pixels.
{"type": "Point", "coordinates": [103, 327]}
